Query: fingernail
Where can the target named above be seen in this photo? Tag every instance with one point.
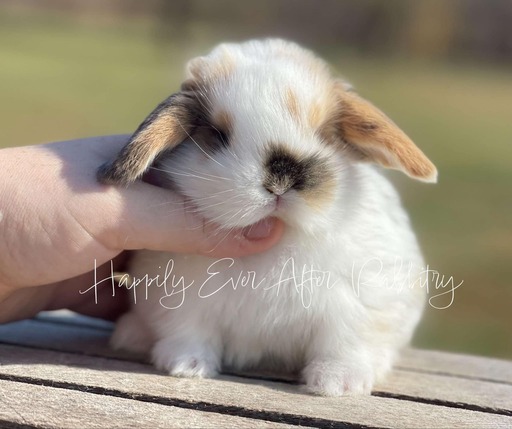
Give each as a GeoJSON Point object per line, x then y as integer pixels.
{"type": "Point", "coordinates": [260, 230]}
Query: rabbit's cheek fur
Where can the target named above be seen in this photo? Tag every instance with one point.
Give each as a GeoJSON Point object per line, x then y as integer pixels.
{"type": "Point", "coordinates": [262, 129]}
{"type": "Point", "coordinates": [236, 190]}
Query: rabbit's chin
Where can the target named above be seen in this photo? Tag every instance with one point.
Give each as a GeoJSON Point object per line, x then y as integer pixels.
{"type": "Point", "coordinates": [291, 220]}
{"type": "Point", "coordinates": [227, 221]}
{"type": "Point", "coordinates": [305, 228]}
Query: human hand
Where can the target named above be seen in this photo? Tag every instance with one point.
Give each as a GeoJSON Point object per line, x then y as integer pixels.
{"type": "Point", "coordinates": [56, 220]}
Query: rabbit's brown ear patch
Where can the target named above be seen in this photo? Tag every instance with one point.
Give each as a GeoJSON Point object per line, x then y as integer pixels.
{"type": "Point", "coordinates": [167, 126]}
{"type": "Point", "coordinates": [368, 131]}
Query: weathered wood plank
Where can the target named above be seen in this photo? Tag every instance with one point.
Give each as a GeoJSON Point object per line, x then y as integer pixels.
{"type": "Point", "coordinates": [234, 393]}
{"type": "Point", "coordinates": [49, 407]}
{"type": "Point", "coordinates": [457, 365]}
{"type": "Point", "coordinates": [90, 339]}
{"type": "Point", "coordinates": [496, 396]}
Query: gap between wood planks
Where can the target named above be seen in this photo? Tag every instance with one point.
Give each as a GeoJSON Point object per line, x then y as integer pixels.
{"type": "Point", "coordinates": [271, 416]}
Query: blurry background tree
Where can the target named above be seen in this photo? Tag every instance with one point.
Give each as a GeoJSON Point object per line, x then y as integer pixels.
{"type": "Point", "coordinates": [440, 68]}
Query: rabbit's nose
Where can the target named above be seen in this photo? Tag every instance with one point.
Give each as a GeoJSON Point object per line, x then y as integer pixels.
{"type": "Point", "coordinates": [284, 172]}
{"type": "Point", "coordinates": [276, 189]}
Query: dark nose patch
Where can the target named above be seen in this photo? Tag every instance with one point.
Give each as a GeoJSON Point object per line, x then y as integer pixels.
{"type": "Point", "coordinates": [285, 171]}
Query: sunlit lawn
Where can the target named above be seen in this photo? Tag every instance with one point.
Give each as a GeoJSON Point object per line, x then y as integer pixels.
{"type": "Point", "coordinates": [61, 79]}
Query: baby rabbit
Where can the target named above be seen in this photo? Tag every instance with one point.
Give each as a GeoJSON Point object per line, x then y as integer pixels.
{"type": "Point", "coordinates": [262, 129]}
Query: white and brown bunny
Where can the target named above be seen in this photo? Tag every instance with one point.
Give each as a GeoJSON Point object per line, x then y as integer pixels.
{"type": "Point", "coordinates": [263, 129]}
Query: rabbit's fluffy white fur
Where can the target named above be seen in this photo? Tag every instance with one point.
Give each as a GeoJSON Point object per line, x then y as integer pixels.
{"type": "Point", "coordinates": [265, 130]}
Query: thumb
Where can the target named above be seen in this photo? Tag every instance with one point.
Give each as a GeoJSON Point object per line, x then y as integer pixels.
{"type": "Point", "coordinates": [159, 219]}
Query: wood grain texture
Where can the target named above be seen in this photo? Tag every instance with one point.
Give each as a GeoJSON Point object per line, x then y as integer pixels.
{"type": "Point", "coordinates": [64, 330]}
{"type": "Point", "coordinates": [233, 395]}
{"type": "Point", "coordinates": [423, 374]}
{"type": "Point", "coordinates": [47, 407]}
{"type": "Point", "coordinates": [457, 365]}
{"type": "Point", "coordinates": [496, 396]}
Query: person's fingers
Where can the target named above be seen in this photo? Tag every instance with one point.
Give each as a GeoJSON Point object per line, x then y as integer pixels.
{"type": "Point", "coordinates": [94, 293]}
{"type": "Point", "coordinates": [143, 216]}
{"type": "Point", "coordinates": [24, 303]}
{"type": "Point", "coordinates": [158, 219]}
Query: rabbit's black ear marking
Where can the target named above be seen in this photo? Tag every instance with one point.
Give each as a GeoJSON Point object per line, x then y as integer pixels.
{"type": "Point", "coordinates": [166, 127]}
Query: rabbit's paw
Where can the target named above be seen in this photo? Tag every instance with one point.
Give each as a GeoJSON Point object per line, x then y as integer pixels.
{"type": "Point", "coordinates": [181, 361]}
{"type": "Point", "coordinates": [131, 334]}
{"type": "Point", "coordinates": [333, 378]}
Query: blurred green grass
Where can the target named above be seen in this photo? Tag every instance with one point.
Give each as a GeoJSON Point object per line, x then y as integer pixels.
{"type": "Point", "coordinates": [62, 79]}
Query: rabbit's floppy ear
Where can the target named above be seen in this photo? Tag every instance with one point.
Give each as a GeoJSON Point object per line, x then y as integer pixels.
{"type": "Point", "coordinates": [375, 137]}
{"type": "Point", "coordinates": [167, 126]}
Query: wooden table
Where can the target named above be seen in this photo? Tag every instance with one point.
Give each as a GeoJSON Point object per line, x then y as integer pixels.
{"type": "Point", "coordinates": [56, 371]}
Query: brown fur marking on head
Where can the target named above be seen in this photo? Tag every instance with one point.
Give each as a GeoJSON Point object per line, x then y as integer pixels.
{"type": "Point", "coordinates": [292, 104]}
{"type": "Point", "coordinates": [316, 115]}
{"type": "Point", "coordinates": [222, 121]}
